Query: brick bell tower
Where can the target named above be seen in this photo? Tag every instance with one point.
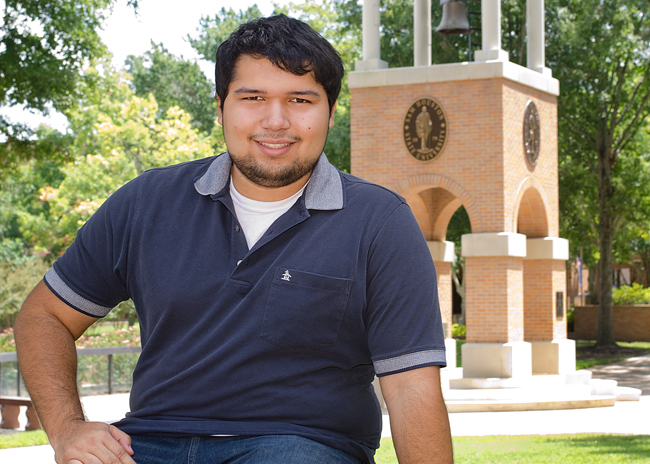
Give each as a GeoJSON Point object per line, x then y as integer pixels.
{"type": "Point", "coordinates": [483, 135]}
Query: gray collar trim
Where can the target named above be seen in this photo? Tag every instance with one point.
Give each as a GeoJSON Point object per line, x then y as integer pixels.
{"type": "Point", "coordinates": [324, 190]}
{"type": "Point", "coordinates": [216, 177]}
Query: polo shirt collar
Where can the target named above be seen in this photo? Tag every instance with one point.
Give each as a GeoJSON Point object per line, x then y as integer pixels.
{"type": "Point", "coordinates": [324, 190]}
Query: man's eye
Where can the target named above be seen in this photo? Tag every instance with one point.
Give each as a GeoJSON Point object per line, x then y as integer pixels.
{"type": "Point", "coordinates": [300, 100]}
{"type": "Point", "coordinates": [253, 98]}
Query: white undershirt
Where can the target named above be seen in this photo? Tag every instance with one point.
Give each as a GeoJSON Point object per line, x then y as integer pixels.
{"type": "Point", "coordinates": [255, 217]}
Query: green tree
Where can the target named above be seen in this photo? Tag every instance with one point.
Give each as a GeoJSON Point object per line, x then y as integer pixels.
{"type": "Point", "coordinates": [599, 52]}
{"type": "Point", "coordinates": [216, 29]}
{"type": "Point", "coordinates": [174, 82]}
{"type": "Point", "coordinates": [44, 46]}
{"type": "Point", "coordinates": [127, 137]}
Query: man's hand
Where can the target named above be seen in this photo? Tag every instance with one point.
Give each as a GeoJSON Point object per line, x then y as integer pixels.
{"type": "Point", "coordinates": [92, 443]}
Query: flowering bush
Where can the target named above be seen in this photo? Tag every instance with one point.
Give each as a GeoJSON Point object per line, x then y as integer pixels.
{"type": "Point", "coordinates": [7, 342]}
{"type": "Point", "coordinates": [129, 336]}
{"type": "Point", "coordinates": [92, 373]}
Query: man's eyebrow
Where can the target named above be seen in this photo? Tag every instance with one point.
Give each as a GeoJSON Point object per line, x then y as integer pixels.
{"type": "Point", "coordinates": [313, 93]}
{"type": "Point", "coordinates": [248, 90]}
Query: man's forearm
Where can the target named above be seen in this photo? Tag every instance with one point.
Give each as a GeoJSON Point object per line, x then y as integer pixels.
{"type": "Point", "coordinates": [48, 362]}
{"type": "Point", "coordinates": [418, 418]}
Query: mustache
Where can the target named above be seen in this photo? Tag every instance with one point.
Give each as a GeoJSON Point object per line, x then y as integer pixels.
{"type": "Point", "coordinates": [275, 136]}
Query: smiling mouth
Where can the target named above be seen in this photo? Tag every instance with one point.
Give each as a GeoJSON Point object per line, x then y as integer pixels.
{"type": "Point", "coordinates": [274, 145]}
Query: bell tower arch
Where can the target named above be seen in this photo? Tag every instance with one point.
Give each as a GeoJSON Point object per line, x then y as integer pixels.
{"type": "Point", "coordinates": [482, 135]}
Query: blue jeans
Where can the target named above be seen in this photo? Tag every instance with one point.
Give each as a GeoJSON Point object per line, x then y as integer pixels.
{"type": "Point", "coordinates": [267, 449]}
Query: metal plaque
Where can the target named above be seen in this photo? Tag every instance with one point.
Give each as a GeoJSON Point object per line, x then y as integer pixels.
{"type": "Point", "coordinates": [559, 305]}
{"type": "Point", "coordinates": [532, 133]}
{"type": "Point", "coordinates": [425, 129]}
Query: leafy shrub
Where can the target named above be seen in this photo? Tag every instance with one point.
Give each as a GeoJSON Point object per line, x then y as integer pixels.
{"type": "Point", "coordinates": [17, 279]}
{"type": "Point", "coordinates": [13, 250]}
{"type": "Point", "coordinates": [631, 295]}
{"type": "Point", "coordinates": [458, 331]}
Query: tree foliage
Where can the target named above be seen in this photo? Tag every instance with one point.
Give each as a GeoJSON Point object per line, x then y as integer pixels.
{"type": "Point", "coordinates": [173, 82]}
{"type": "Point", "coordinates": [600, 54]}
{"type": "Point", "coordinates": [126, 136]}
{"type": "Point", "coordinates": [44, 47]}
{"type": "Point", "coordinates": [216, 29]}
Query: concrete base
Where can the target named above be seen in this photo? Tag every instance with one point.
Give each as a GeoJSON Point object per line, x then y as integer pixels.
{"type": "Point", "coordinates": [529, 404]}
{"type": "Point", "coordinates": [538, 392]}
{"type": "Point", "coordinates": [476, 383]}
{"type": "Point", "coordinates": [450, 356]}
{"type": "Point", "coordinates": [554, 357]}
{"type": "Point", "coordinates": [497, 360]}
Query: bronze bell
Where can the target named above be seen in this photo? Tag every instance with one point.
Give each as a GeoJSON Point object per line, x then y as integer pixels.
{"type": "Point", "coordinates": [454, 18]}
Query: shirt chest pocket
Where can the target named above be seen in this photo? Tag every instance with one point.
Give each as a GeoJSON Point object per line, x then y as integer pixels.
{"type": "Point", "coordinates": [304, 311]}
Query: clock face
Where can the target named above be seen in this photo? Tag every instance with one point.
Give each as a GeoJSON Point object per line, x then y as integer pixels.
{"type": "Point", "coordinates": [425, 129]}
{"type": "Point", "coordinates": [532, 133]}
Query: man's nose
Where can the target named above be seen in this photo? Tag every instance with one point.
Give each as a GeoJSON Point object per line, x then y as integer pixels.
{"type": "Point", "coordinates": [276, 117]}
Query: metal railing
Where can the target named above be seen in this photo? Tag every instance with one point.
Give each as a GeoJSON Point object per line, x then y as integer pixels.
{"type": "Point", "coordinates": [105, 351]}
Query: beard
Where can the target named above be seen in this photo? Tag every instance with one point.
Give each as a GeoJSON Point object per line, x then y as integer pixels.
{"type": "Point", "coordinates": [273, 176]}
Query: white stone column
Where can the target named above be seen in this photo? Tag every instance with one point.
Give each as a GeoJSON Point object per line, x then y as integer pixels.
{"type": "Point", "coordinates": [443, 255]}
{"type": "Point", "coordinates": [535, 47]}
{"type": "Point", "coordinates": [556, 356]}
{"type": "Point", "coordinates": [371, 45]}
{"type": "Point", "coordinates": [495, 346]}
{"type": "Point", "coordinates": [422, 32]}
{"type": "Point", "coordinates": [491, 32]}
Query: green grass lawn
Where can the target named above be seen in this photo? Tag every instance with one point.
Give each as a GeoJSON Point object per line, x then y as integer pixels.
{"type": "Point", "coordinates": [587, 361]}
{"type": "Point", "coordinates": [17, 440]}
{"type": "Point", "coordinates": [521, 449]}
{"type": "Point", "coordinates": [547, 449]}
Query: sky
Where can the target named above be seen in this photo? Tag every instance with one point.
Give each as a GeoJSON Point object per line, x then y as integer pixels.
{"type": "Point", "coordinates": [166, 21]}
{"type": "Point", "coordinates": [163, 21]}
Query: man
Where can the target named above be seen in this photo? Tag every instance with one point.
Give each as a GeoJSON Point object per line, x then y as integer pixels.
{"type": "Point", "coordinates": [270, 289]}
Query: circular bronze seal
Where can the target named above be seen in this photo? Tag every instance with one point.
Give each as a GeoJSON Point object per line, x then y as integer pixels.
{"type": "Point", "coordinates": [425, 129]}
{"type": "Point", "coordinates": [532, 133]}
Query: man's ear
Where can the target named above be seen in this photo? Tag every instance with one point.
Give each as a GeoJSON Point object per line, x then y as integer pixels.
{"type": "Point", "coordinates": [219, 111]}
{"type": "Point", "coordinates": [331, 124]}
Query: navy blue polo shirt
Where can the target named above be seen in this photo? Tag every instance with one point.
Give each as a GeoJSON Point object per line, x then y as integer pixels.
{"type": "Point", "coordinates": [284, 338]}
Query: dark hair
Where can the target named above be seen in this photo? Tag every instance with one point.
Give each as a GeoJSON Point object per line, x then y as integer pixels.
{"type": "Point", "coordinates": [289, 44]}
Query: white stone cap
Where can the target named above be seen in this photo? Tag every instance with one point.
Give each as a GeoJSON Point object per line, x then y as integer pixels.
{"type": "Point", "coordinates": [374, 77]}
{"type": "Point", "coordinates": [499, 244]}
{"type": "Point", "coordinates": [369, 65]}
{"type": "Point", "coordinates": [547, 248]}
{"type": "Point", "coordinates": [491, 55]}
{"type": "Point", "coordinates": [441, 251]}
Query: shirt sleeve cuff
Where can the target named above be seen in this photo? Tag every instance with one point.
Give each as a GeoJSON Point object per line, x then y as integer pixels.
{"type": "Point", "coordinates": [65, 293]}
{"type": "Point", "coordinates": [409, 361]}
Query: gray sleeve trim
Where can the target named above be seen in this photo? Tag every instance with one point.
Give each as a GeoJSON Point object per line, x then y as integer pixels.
{"type": "Point", "coordinates": [70, 297]}
{"type": "Point", "coordinates": [407, 361]}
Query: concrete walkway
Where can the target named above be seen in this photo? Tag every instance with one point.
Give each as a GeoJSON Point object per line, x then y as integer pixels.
{"type": "Point", "coordinates": [625, 417]}
{"type": "Point", "coordinates": [633, 372]}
